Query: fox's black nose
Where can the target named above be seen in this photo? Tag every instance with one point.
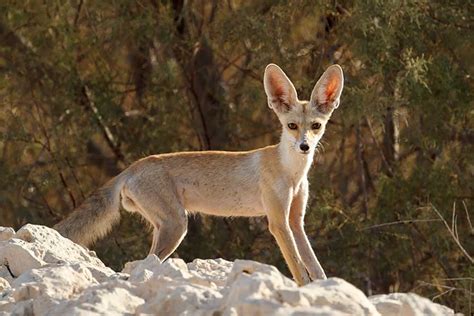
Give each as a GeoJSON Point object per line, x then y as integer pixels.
{"type": "Point", "coordinates": [304, 147]}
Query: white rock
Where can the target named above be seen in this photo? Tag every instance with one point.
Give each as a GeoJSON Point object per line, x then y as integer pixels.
{"type": "Point", "coordinates": [266, 273]}
{"type": "Point", "coordinates": [42, 273]}
{"type": "Point", "coordinates": [111, 298]}
{"type": "Point", "coordinates": [309, 311]}
{"type": "Point", "coordinates": [174, 268]}
{"type": "Point", "coordinates": [386, 306]}
{"type": "Point", "coordinates": [6, 233]}
{"type": "Point", "coordinates": [6, 303]}
{"type": "Point", "coordinates": [334, 293]}
{"type": "Point", "coordinates": [18, 256]}
{"type": "Point", "coordinates": [252, 289]}
{"type": "Point", "coordinates": [100, 273]}
{"type": "Point", "coordinates": [51, 247]}
{"type": "Point", "coordinates": [178, 297]}
{"type": "Point", "coordinates": [5, 273]}
{"type": "Point", "coordinates": [21, 308]}
{"type": "Point", "coordinates": [256, 288]}
{"type": "Point", "coordinates": [48, 286]}
{"type": "Point", "coordinates": [142, 270]}
{"type": "Point", "coordinates": [210, 272]}
{"type": "Point", "coordinates": [34, 246]}
{"type": "Point", "coordinates": [407, 304]}
{"type": "Point", "coordinates": [4, 284]}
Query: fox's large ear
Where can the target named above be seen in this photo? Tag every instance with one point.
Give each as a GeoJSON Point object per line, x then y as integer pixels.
{"type": "Point", "coordinates": [328, 89]}
{"type": "Point", "coordinates": [280, 91]}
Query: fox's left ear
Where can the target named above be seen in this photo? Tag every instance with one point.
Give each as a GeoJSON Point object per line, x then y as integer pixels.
{"type": "Point", "coordinates": [281, 92]}
{"type": "Point", "coordinates": [328, 89]}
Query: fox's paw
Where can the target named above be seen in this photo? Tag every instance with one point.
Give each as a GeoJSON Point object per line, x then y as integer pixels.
{"type": "Point", "coordinates": [318, 274]}
{"type": "Point", "coordinates": [305, 279]}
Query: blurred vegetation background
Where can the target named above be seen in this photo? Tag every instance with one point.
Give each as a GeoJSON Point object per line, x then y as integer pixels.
{"type": "Point", "coordinates": [87, 87]}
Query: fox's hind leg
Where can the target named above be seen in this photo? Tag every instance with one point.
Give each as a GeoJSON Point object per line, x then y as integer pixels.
{"type": "Point", "coordinates": [162, 208]}
{"type": "Point", "coordinates": [170, 234]}
{"type": "Point", "coordinates": [170, 229]}
{"type": "Point", "coordinates": [130, 206]}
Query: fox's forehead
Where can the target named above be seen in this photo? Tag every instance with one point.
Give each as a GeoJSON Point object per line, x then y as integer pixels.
{"type": "Point", "coordinates": [304, 111]}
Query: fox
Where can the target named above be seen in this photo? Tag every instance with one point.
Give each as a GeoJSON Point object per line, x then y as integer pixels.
{"type": "Point", "coordinates": [271, 181]}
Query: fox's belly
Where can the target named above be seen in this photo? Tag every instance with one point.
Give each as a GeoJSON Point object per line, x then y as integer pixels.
{"type": "Point", "coordinates": [223, 202]}
{"type": "Point", "coordinates": [225, 210]}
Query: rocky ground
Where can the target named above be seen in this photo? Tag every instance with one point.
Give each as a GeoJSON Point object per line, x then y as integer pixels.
{"type": "Point", "coordinates": [42, 273]}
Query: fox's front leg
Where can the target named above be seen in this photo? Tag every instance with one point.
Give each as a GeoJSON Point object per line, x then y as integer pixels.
{"type": "Point", "coordinates": [278, 209]}
{"type": "Point", "coordinates": [296, 219]}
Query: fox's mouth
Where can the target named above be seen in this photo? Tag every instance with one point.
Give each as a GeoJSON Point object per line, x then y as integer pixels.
{"type": "Point", "coordinates": [303, 152]}
{"type": "Point", "coordinates": [306, 152]}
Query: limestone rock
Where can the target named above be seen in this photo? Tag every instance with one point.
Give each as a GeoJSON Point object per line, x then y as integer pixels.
{"type": "Point", "coordinates": [142, 270]}
{"type": "Point", "coordinates": [18, 256]}
{"type": "Point", "coordinates": [4, 284]}
{"type": "Point", "coordinates": [6, 233]}
{"type": "Point", "coordinates": [42, 273]}
{"type": "Point", "coordinates": [178, 297]}
{"type": "Point", "coordinates": [110, 298]}
{"type": "Point", "coordinates": [49, 246]}
{"type": "Point", "coordinates": [46, 287]}
{"type": "Point", "coordinates": [210, 272]}
{"type": "Point", "coordinates": [34, 246]}
{"type": "Point", "coordinates": [409, 304]}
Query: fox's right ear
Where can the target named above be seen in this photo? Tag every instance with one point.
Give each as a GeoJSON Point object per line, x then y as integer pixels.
{"type": "Point", "coordinates": [328, 89]}
{"type": "Point", "coordinates": [281, 93]}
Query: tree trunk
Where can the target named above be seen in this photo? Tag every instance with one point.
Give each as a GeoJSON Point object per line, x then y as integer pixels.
{"type": "Point", "coordinates": [391, 138]}
{"type": "Point", "coordinates": [204, 90]}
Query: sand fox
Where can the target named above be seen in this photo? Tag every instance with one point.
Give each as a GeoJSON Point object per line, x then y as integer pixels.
{"type": "Point", "coordinates": [270, 181]}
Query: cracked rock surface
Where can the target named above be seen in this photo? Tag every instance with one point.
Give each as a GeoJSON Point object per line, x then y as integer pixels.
{"type": "Point", "coordinates": [43, 273]}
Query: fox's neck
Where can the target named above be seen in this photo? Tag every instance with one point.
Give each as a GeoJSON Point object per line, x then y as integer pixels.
{"type": "Point", "coordinates": [296, 164]}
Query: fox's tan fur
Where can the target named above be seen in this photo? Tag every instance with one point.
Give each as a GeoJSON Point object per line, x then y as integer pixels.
{"type": "Point", "coordinates": [269, 181]}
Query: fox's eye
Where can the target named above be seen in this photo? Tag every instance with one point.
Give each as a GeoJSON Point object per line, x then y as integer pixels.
{"type": "Point", "coordinates": [316, 125]}
{"type": "Point", "coordinates": [292, 126]}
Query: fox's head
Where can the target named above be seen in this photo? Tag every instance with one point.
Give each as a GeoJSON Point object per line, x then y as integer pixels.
{"type": "Point", "coordinates": [303, 122]}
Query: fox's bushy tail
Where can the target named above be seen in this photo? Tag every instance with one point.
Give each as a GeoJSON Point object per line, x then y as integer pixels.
{"type": "Point", "coordinates": [95, 216]}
